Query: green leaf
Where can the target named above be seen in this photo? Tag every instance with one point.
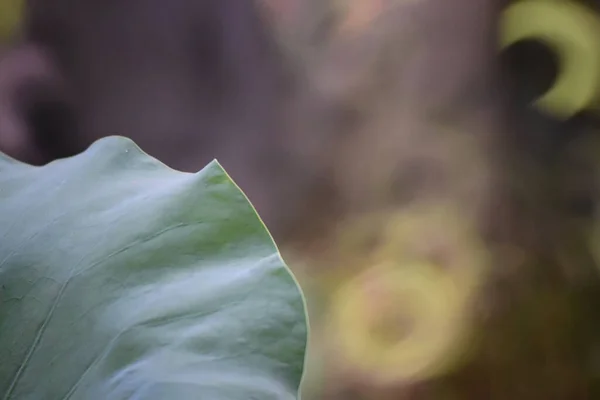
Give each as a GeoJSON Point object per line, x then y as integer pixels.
{"type": "Point", "coordinates": [123, 279]}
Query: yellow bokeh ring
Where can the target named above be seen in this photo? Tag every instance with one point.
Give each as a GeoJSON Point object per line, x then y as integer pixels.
{"type": "Point", "coordinates": [433, 345]}
{"type": "Point", "coordinates": [467, 264]}
{"type": "Point", "coordinates": [574, 33]}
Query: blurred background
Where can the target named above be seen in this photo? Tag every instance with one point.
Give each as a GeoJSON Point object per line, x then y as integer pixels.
{"type": "Point", "coordinates": [428, 168]}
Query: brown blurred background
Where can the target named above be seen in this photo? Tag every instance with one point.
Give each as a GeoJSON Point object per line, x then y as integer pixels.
{"type": "Point", "coordinates": [436, 204]}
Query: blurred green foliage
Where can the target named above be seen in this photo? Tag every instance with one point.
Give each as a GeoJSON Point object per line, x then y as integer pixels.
{"type": "Point", "coordinates": [10, 16]}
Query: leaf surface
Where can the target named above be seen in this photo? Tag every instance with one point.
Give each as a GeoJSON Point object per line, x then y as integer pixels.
{"type": "Point", "coordinates": [123, 279]}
